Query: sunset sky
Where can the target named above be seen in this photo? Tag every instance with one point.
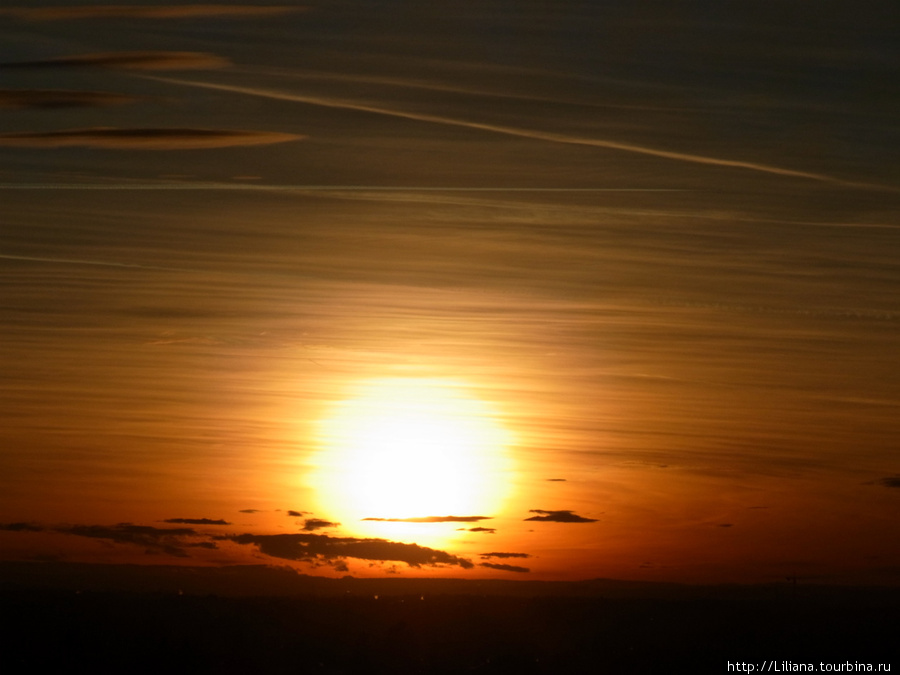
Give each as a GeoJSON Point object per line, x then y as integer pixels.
{"type": "Point", "coordinates": [522, 290]}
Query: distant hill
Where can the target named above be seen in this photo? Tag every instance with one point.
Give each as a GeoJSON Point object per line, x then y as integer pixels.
{"type": "Point", "coordinates": [265, 581]}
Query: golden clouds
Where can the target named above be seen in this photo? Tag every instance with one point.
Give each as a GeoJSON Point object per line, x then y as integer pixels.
{"type": "Point", "coordinates": [145, 60]}
{"type": "Point", "coordinates": [61, 98]}
{"type": "Point", "coordinates": [114, 138]}
{"type": "Point", "coordinates": [143, 139]}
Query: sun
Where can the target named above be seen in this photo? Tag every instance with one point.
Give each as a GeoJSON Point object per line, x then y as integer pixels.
{"type": "Point", "coordinates": [403, 448]}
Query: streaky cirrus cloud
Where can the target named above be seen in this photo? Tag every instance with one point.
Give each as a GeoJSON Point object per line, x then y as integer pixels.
{"type": "Point", "coordinates": [143, 139]}
{"type": "Point", "coordinates": [500, 554]}
{"type": "Point", "coordinates": [308, 547]}
{"type": "Point", "coordinates": [432, 519]}
{"type": "Point", "coordinates": [145, 60]}
{"type": "Point", "coordinates": [153, 539]}
{"type": "Point", "coordinates": [505, 568]}
{"type": "Point", "coordinates": [74, 261]}
{"type": "Point", "coordinates": [145, 11]}
{"type": "Point", "coordinates": [125, 531]}
{"type": "Point", "coordinates": [197, 521]}
{"type": "Point", "coordinates": [559, 517]}
{"type": "Point", "coordinates": [313, 524]}
{"type": "Point", "coordinates": [61, 98]}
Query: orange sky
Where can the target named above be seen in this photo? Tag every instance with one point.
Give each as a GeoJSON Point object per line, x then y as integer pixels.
{"type": "Point", "coordinates": [597, 298]}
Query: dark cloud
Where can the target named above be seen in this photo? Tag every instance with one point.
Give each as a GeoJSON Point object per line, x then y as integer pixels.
{"type": "Point", "coordinates": [297, 514]}
{"type": "Point", "coordinates": [197, 521]}
{"type": "Point", "coordinates": [50, 98]}
{"type": "Point", "coordinates": [559, 517]}
{"type": "Point", "coordinates": [143, 139]}
{"type": "Point", "coordinates": [725, 525]}
{"type": "Point", "coordinates": [556, 480]}
{"type": "Point", "coordinates": [144, 12]}
{"type": "Point", "coordinates": [433, 519]}
{"type": "Point", "coordinates": [495, 554]}
{"type": "Point", "coordinates": [20, 527]}
{"type": "Point", "coordinates": [129, 61]}
{"type": "Point", "coordinates": [889, 481]}
{"type": "Point", "coordinates": [489, 530]}
{"type": "Point", "coordinates": [313, 524]}
{"type": "Point", "coordinates": [153, 539]}
{"type": "Point", "coordinates": [249, 511]}
{"type": "Point", "coordinates": [506, 568]}
{"type": "Point", "coordinates": [126, 532]}
{"type": "Point", "coordinates": [311, 546]}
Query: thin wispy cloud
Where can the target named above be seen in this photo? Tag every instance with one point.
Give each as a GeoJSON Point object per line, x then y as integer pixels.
{"type": "Point", "coordinates": [501, 554]}
{"type": "Point", "coordinates": [169, 541]}
{"type": "Point", "coordinates": [197, 521]}
{"type": "Point", "coordinates": [516, 131]}
{"type": "Point", "coordinates": [564, 516]}
{"type": "Point", "coordinates": [505, 568]}
{"type": "Point", "coordinates": [143, 139]}
{"type": "Point", "coordinates": [100, 263]}
{"type": "Point", "coordinates": [145, 12]}
{"type": "Point", "coordinates": [145, 60]}
{"type": "Point", "coordinates": [60, 98]}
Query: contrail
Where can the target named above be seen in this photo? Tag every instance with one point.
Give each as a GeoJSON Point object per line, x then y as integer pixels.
{"type": "Point", "coordinates": [101, 263]}
{"type": "Point", "coordinates": [430, 86]}
{"type": "Point", "coordinates": [512, 131]}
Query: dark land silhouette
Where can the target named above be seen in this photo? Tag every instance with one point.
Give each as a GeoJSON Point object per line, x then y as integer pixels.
{"type": "Point", "coordinates": [206, 620]}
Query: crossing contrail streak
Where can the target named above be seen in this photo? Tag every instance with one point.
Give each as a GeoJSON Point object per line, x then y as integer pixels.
{"type": "Point", "coordinates": [513, 131]}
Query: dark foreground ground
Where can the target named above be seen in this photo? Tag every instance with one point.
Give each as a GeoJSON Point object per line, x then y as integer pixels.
{"type": "Point", "coordinates": [625, 630]}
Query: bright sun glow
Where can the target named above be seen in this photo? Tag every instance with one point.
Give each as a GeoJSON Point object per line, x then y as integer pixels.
{"type": "Point", "coordinates": [410, 448]}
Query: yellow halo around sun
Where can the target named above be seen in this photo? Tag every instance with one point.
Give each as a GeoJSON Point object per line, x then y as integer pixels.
{"type": "Point", "coordinates": [410, 448]}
